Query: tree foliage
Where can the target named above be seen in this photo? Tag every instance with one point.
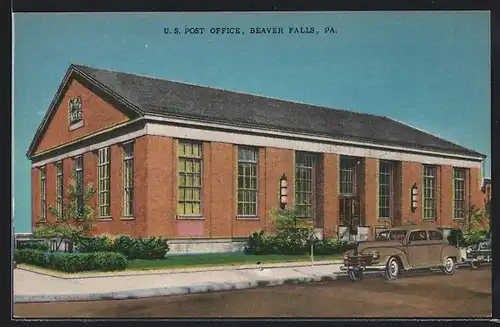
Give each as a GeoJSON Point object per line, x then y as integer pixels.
{"type": "Point", "coordinates": [473, 220]}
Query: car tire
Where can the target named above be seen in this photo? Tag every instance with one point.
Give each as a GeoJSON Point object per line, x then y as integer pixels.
{"type": "Point", "coordinates": [449, 266]}
{"type": "Point", "coordinates": [392, 269]}
{"type": "Point", "coordinates": [355, 275]}
{"type": "Point", "coordinates": [475, 265]}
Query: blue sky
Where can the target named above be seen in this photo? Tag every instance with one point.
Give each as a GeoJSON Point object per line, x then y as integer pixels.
{"type": "Point", "coordinates": [428, 69]}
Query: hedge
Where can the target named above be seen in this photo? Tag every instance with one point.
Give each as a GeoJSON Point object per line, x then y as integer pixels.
{"type": "Point", "coordinates": [72, 262]}
{"type": "Point", "coordinates": [132, 248]}
{"type": "Point", "coordinates": [293, 242]}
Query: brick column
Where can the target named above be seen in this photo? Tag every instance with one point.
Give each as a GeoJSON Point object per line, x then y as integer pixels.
{"type": "Point", "coordinates": [411, 174]}
{"type": "Point", "coordinates": [369, 193]}
{"type": "Point", "coordinates": [327, 195]}
{"type": "Point", "coordinates": [278, 161]}
{"type": "Point", "coordinates": [222, 197]}
{"type": "Point", "coordinates": [160, 185]}
{"type": "Point", "coordinates": [446, 203]}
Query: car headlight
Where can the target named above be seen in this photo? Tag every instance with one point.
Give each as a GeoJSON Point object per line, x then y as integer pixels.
{"type": "Point", "coordinates": [375, 255]}
{"type": "Point", "coordinates": [469, 250]}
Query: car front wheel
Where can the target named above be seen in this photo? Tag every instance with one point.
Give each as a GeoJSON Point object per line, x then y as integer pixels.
{"type": "Point", "coordinates": [449, 266]}
{"type": "Point", "coordinates": [392, 269]}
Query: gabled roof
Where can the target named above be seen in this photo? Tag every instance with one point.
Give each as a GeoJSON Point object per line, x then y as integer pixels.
{"type": "Point", "coordinates": [161, 97]}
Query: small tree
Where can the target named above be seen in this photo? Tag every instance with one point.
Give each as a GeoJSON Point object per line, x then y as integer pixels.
{"type": "Point", "coordinates": [76, 219]}
{"type": "Point", "coordinates": [473, 219]}
{"type": "Point", "coordinates": [292, 231]}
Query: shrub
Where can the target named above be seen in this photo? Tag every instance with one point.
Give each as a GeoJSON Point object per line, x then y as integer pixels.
{"type": "Point", "coordinates": [94, 244]}
{"type": "Point", "coordinates": [41, 245]}
{"type": "Point", "coordinates": [258, 243]}
{"type": "Point", "coordinates": [139, 248]}
{"type": "Point", "coordinates": [72, 262]}
{"type": "Point", "coordinates": [329, 246]}
{"type": "Point", "coordinates": [293, 241]}
{"type": "Point", "coordinates": [109, 261]}
{"type": "Point", "coordinates": [31, 257]}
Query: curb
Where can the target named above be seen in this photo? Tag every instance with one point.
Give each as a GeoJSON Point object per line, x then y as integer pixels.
{"type": "Point", "coordinates": [152, 292]}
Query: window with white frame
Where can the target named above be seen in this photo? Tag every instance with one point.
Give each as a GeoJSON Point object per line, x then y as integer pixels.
{"type": "Point", "coordinates": [247, 181]}
{"type": "Point", "coordinates": [43, 194]}
{"type": "Point", "coordinates": [429, 194]}
{"type": "Point", "coordinates": [104, 156]}
{"type": "Point", "coordinates": [190, 178]}
{"type": "Point", "coordinates": [128, 179]}
{"type": "Point", "coordinates": [79, 184]}
{"type": "Point", "coordinates": [385, 191]}
{"type": "Point", "coordinates": [59, 189]}
{"type": "Point", "coordinates": [304, 183]}
{"type": "Point", "coordinates": [458, 193]}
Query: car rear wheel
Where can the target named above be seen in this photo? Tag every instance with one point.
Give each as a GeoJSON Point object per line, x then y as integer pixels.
{"type": "Point", "coordinates": [355, 275]}
{"type": "Point", "coordinates": [392, 269]}
{"type": "Point", "coordinates": [449, 266]}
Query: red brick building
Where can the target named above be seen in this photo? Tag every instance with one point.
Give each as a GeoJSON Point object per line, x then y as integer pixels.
{"type": "Point", "coordinates": [191, 162]}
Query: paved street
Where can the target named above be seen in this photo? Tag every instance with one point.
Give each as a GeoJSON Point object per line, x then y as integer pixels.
{"type": "Point", "coordinates": [465, 294]}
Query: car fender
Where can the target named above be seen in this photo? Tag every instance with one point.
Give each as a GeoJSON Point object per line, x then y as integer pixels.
{"type": "Point", "coordinates": [394, 252]}
{"type": "Point", "coordinates": [450, 251]}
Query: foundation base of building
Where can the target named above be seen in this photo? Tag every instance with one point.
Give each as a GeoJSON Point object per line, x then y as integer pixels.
{"type": "Point", "coordinates": [183, 246]}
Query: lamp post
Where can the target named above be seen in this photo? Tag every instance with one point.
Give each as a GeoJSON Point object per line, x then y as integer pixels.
{"type": "Point", "coordinates": [414, 197]}
{"type": "Point", "coordinates": [283, 191]}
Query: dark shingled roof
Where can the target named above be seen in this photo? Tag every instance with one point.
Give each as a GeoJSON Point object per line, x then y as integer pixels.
{"type": "Point", "coordinates": [169, 98]}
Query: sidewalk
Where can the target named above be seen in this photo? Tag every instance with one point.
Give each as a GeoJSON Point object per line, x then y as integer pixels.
{"type": "Point", "coordinates": [31, 286]}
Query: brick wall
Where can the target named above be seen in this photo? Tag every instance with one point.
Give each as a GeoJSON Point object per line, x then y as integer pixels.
{"type": "Point", "coordinates": [156, 191]}
{"type": "Point", "coordinates": [96, 112]}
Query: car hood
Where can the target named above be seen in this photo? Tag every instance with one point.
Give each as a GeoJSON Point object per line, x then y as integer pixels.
{"type": "Point", "coordinates": [375, 244]}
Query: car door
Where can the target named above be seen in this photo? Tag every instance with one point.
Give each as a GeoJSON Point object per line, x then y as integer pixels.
{"type": "Point", "coordinates": [436, 244]}
{"type": "Point", "coordinates": [417, 249]}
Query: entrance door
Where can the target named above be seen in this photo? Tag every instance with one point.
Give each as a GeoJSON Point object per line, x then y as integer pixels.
{"type": "Point", "coordinates": [349, 213]}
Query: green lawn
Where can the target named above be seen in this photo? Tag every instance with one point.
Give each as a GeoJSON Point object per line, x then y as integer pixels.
{"type": "Point", "coordinates": [220, 259]}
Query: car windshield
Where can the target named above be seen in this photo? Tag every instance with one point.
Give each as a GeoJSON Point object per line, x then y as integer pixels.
{"type": "Point", "coordinates": [392, 235]}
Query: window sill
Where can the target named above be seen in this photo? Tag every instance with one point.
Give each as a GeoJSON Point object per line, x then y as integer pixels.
{"type": "Point", "coordinates": [75, 126]}
{"type": "Point", "coordinates": [128, 218]}
{"type": "Point", "coordinates": [107, 218]}
{"type": "Point", "coordinates": [183, 217]}
{"type": "Point", "coordinates": [247, 218]}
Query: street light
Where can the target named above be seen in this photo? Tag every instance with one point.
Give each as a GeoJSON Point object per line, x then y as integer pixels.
{"type": "Point", "coordinates": [414, 197]}
{"type": "Point", "coordinates": [283, 191]}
